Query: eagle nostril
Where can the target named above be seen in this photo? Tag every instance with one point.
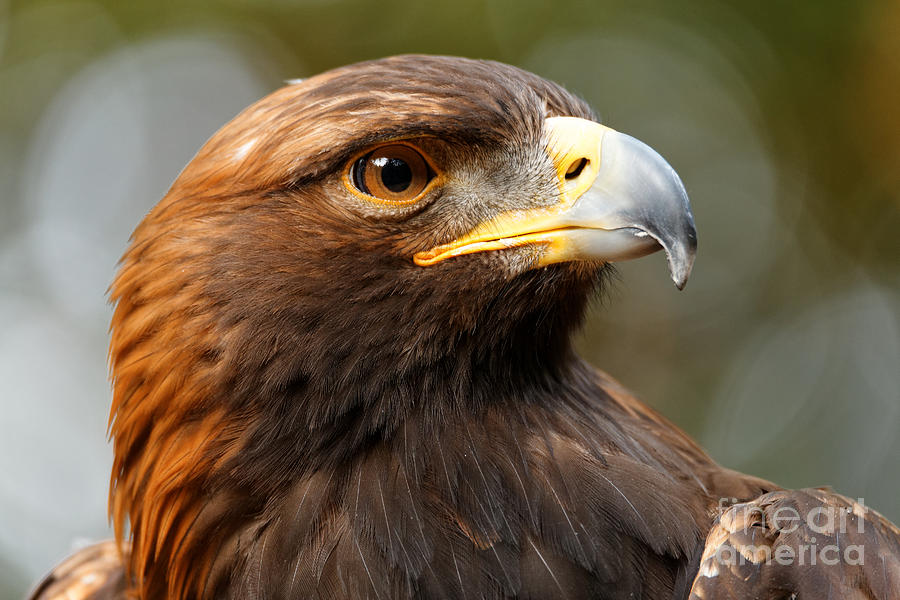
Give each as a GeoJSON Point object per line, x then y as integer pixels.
{"type": "Point", "coordinates": [576, 168]}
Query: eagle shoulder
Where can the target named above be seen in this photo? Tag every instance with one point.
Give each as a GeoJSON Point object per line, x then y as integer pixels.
{"type": "Point", "coordinates": [810, 543]}
{"type": "Point", "coordinates": [96, 572]}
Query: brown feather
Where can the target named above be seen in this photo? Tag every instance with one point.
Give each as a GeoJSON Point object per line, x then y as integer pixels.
{"type": "Point", "coordinates": [93, 573]}
{"type": "Point", "coordinates": [836, 549]}
{"type": "Point", "coordinates": [300, 411]}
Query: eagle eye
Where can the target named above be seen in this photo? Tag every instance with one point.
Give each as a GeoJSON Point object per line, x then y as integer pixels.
{"type": "Point", "coordinates": [396, 173]}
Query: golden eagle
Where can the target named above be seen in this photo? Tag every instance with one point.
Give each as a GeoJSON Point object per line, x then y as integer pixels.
{"type": "Point", "coordinates": [342, 365]}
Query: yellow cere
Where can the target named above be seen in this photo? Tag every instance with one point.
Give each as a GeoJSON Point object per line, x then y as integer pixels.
{"type": "Point", "coordinates": [569, 141]}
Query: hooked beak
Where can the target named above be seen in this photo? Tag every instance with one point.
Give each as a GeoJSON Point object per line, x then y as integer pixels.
{"type": "Point", "coordinates": [619, 200]}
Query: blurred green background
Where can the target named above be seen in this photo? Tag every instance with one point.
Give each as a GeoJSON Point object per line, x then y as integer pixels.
{"type": "Point", "coordinates": [783, 118]}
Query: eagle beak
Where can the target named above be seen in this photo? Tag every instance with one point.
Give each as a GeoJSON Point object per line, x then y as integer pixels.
{"type": "Point", "coordinates": [618, 200]}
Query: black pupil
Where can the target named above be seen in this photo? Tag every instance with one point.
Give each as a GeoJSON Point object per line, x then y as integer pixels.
{"type": "Point", "coordinates": [396, 175]}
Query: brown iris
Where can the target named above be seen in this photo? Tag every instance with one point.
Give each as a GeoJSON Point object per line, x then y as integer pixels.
{"type": "Point", "coordinates": [396, 173]}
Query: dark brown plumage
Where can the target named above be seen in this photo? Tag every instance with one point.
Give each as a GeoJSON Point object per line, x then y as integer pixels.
{"type": "Point", "coordinates": [321, 393]}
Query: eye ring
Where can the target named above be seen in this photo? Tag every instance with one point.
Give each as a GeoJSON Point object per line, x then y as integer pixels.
{"type": "Point", "coordinates": [391, 174]}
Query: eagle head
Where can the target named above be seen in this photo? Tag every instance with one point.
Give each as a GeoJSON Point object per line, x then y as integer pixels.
{"type": "Point", "coordinates": [413, 235]}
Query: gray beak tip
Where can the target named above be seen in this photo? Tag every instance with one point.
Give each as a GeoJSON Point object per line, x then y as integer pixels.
{"type": "Point", "coordinates": [650, 197]}
{"type": "Point", "coordinates": [680, 257]}
{"type": "Point", "coordinates": [680, 278]}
